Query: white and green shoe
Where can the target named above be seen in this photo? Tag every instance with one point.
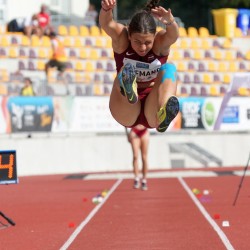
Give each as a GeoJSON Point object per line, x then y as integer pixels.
{"type": "Point", "coordinates": [128, 85]}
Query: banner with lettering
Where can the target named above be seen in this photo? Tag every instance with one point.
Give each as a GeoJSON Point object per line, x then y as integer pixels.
{"type": "Point", "coordinates": [30, 113]}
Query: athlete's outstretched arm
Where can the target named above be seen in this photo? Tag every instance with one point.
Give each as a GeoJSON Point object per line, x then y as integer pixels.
{"type": "Point", "coordinates": [107, 23]}
{"type": "Point", "coordinates": [168, 36]}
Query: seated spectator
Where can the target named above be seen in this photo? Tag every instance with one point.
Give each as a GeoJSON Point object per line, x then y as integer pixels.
{"type": "Point", "coordinates": [44, 20]}
{"type": "Point", "coordinates": [27, 89]}
{"type": "Point", "coordinates": [16, 25]}
{"type": "Point", "coordinates": [59, 58]}
{"type": "Point", "coordinates": [90, 16]}
{"type": "Point", "coordinates": [31, 26]}
{"type": "Point", "coordinates": [27, 25]}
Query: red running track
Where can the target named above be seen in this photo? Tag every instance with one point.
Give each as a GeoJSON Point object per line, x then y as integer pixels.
{"type": "Point", "coordinates": [52, 212]}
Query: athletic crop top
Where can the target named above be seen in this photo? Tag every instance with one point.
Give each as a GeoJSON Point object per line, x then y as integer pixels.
{"type": "Point", "coordinates": [146, 67]}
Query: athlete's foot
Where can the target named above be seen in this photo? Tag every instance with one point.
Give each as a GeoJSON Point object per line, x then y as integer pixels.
{"type": "Point", "coordinates": [144, 185]}
{"type": "Point", "coordinates": [167, 113]}
{"type": "Point", "coordinates": [136, 183]}
{"type": "Point", "coordinates": [128, 85]}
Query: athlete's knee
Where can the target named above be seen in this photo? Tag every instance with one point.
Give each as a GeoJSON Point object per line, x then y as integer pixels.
{"type": "Point", "coordinates": [135, 158]}
{"type": "Point", "coordinates": [169, 72]}
{"type": "Point", "coordinates": [144, 157]}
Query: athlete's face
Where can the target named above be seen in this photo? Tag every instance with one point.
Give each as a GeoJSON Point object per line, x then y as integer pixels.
{"type": "Point", "coordinates": [142, 43]}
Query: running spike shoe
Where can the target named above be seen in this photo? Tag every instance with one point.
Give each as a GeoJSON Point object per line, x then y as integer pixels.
{"type": "Point", "coordinates": [127, 79]}
{"type": "Point", "coordinates": [136, 183]}
{"type": "Point", "coordinates": [167, 113]}
{"type": "Point", "coordinates": [144, 185]}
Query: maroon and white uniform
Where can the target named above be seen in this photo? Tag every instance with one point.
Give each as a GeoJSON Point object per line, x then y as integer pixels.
{"type": "Point", "coordinates": [146, 67]}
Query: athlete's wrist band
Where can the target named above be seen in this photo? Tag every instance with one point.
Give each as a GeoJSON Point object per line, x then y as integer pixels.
{"type": "Point", "coordinates": [170, 22]}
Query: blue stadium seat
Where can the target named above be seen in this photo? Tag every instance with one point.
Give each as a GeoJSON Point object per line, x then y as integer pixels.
{"type": "Point", "coordinates": [187, 78]}
{"type": "Point", "coordinates": [194, 91]}
{"type": "Point", "coordinates": [217, 78]}
{"type": "Point", "coordinates": [223, 90]}
{"type": "Point", "coordinates": [107, 79]}
{"type": "Point", "coordinates": [201, 67]}
{"type": "Point", "coordinates": [186, 54]}
{"type": "Point", "coordinates": [99, 66]}
{"type": "Point", "coordinates": [197, 78]}
{"type": "Point", "coordinates": [242, 66]}
{"type": "Point", "coordinates": [204, 91]}
{"type": "Point", "coordinates": [32, 53]}
{"type": "Point", "coordinates": [184, 91]}
{"type": "Point", "coordinates": [22, 53]}
{"type": "Point", "coordinates": [72, 53]}
{"type": "Point", "coordinates": [104, 53]}
{"type": "Point", "coordinates": [207, 54]}
{"type": "Point", "coordinates": [13, 40]}
{"type": "Point", "coordinates": [21, 65]}
{"type": "Point", "coordinates": [3, 53]}
{"type": "Point", "coordinates": [110, 66]}
{"type": "Point", "coordinates": [31, 66]}
{"type": "Point", "coordinates": [191, 66]}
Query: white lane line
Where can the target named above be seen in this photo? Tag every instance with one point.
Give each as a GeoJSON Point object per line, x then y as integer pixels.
{"type": "Point", "coordinates": [89, 217]}
{"type": "Point", "coordinates": [171, 174]}
{"type": "Point", "coordinates": [214, 225]}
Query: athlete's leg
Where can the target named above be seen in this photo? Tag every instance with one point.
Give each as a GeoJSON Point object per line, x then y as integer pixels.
{"type": "Point", "coordinates": [144, 154]}
{"type": "Point", "coordinates": [164, 88]}
{"type": "Point", "coordinates": [135, 144]}
{"type": "Point", "coordinates": [122, 111]}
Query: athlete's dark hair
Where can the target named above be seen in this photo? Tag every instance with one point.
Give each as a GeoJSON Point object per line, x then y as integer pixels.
{"type": "Point", "coordinates": [151, 4]}
{"type": "Point", "coordinates": [143, 21]}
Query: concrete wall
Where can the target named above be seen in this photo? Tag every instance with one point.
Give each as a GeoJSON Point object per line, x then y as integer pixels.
{"type": "Point", "coordinates": [47, 154]}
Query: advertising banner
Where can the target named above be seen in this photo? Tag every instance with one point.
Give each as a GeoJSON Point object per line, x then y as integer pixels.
{"type": "Point", "coordinates": [210, 111]}
{"type": "Point", "coordinates": [92, 114]}
{"type": "Point", "coordinates": [236, 115]}
{"type": "Point", "coordinates": [202, 113]}
{"type": "Point", "coordinates": [240, 80]}
{"type": "Point", "coordinates": [191, 112]}
{"type": "Point", "coordinates": [62, 109]}
{"type": "Point", "coordinates": [4, 116]}
{"type": "Point", "coordinates": [30, 114]}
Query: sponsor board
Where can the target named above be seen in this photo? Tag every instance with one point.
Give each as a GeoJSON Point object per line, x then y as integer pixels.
{"type": "Point", "coordinates": [30, 113]}
{"type": "Point", "coordinates": [191, 112]}
{"type": "Point", "coordinates": [202, 113]}
{"type": "Point", "coordinates": [92, 114]}
{"type": "Point", "coordinates": [210, 111]}
{"type": "Point", "coordinates": [236, 115]}
{"type": "Point", "coordinates": [62, 109]}
{"type": "Point", "coordinates": [4, 115]}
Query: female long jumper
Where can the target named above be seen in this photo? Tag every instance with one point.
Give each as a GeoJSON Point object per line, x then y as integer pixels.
{"type": "Point", "coordinates": [144, 89]}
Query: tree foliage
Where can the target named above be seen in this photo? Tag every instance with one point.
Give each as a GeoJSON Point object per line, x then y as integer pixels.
{"type": "Point", "coordinates": [192, 12]}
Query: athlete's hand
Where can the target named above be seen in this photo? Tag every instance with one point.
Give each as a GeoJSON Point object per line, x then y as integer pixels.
{"type": "Point", "coordinates": [163, 15]}
{"type": "Point", "coordinates": [108, 4]}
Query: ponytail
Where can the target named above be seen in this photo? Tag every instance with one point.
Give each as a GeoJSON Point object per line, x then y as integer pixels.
{"type": "Point", "coordinates": [151, 4]}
